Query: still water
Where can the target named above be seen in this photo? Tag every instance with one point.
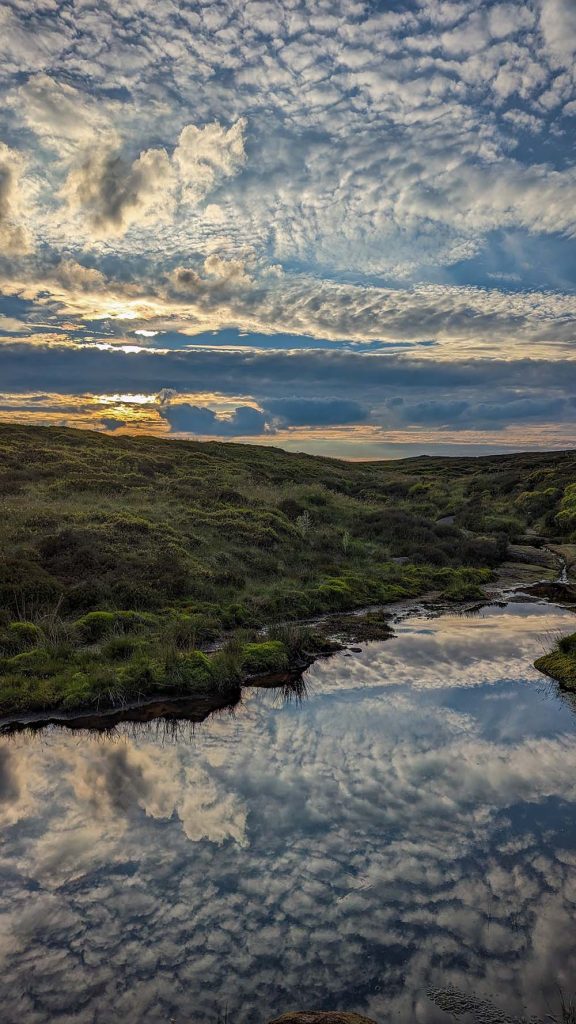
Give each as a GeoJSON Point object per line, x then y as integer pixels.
{"type": "Point", "coordinates": [410, 825]}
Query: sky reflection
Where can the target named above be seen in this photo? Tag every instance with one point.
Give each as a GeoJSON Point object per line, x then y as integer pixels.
{"type": "Point", "coordinates": [409, 826]}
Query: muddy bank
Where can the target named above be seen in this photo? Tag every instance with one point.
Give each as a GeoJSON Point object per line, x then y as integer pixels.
{"type": "Point", "coordinates": [185, 709]}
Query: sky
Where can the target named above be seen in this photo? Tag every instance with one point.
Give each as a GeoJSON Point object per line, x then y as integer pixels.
{"type": "Point", "coordinates": [340, 227]}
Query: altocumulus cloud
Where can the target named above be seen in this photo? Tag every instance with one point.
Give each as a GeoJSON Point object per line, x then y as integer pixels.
{"type": "Point", "coordinates": [13, 236]}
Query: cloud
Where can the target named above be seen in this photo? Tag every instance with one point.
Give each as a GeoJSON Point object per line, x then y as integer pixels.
{"type": "Point", "coordinates": [60, 114]}
{"type": "Point", "coordinates": [205, 156]}
{"type": "Point", "coordinates": [246, 421]}
{"type": "Point", "coordinates": [363, 127]}
{"type": "Point", "coordinates": [558, 26]}
{"type": "Point", "coordinates": [221, 281]}
{"type": "Point", "coordinates": [112, 423]}
{"type": "Point", "coordinates": [10, 325]}
{"type": "Point", "coordinates": [506, 19]}
{"type": "Point", "coordinates": [14, 238]}
{"type": "Point", "coordinates": [9, 782]}
{"type": "Point", "coordinates": [113, 194]}
{"type": "Point", "coordinates": [294, 412]}
{"type": "Point", "coordinates": [522, 119]}
{"type": "Point", "coordinates": [271, 374]}
{"type": "Point", "coordinates": [29, 44]}
{"type": "Point", "coordinates": [182, 417]}
{"type": "Point", "coordinates": [371, 400]}
{"type": "Point", "coordinates": [243, 293]}
{"type": "Point", "coordinates": [463, 414]}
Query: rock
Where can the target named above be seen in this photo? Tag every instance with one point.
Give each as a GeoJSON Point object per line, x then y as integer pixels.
{"type": "Point", "coordinates": [322, 1017]}
{"type": "Point", "coordinates": [533, 556]}
{"type": "Point", "coordinates": [519, 575]}
{"type": "Point", "coordinates": [559, 593]}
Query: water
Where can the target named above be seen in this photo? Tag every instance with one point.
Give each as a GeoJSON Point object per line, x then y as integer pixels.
{"type": "Point", "coordinates": [409, 826]}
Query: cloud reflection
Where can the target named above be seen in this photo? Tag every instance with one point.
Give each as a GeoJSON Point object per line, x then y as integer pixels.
{"type": "Point", "coordinates": [354, 851]}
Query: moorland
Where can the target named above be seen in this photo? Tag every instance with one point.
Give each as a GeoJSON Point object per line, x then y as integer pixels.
{"type": "Point", "coordinates": [132, 566]}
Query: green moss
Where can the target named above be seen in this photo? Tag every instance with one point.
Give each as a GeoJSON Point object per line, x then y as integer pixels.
{"type": "Point", "coordinates": [266, 656]}
{"type": "Point", "coordinates": [39, 662]}
{"type": "Point", "coordinates": [141, 677]}
{"type": "Point", "coordinates": [298, 640]}
{"type": "Point", "coordinates": [465, 584]}
{"type": "Point", "coordinates": [536, 502]}
{"type": "Point", "coordinates": [95, 625]}
{"type": "Point", "coordinates": [463, 592]}
{"type": "Point", "coordinates": [335, 592]}
{"type": "Point", "coordinates": [18, 637]}
{"type": "Point", "coordinates": [192, 671]}
{"type": "Point", "coordinates": [24, 634]}
{"type": "Point", "coordinates": [237, 615]}
{"type": "Point", "coordinates": [510, 525]}
{"type": "Point", "coordinates": [78, 690]}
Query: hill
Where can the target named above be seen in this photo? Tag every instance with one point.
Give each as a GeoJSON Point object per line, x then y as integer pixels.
{"type": "Point", "coordinates": [122, 558]}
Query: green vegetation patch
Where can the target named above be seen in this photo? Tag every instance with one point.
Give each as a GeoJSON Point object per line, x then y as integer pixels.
{"type": "Point", "coordinates": [560, 663]}
{"type": "Point", "coordinates": [129, 670]}
{"type": "Point", "coordinates": [266, 656]}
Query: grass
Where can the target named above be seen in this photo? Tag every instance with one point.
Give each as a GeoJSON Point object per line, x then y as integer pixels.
{"type": "Point", "coordinates": [567, 1011]}
{"type": "Point", "coordinates": [122, 559]}
{"type": "Point", "coordinates": [560, 662]}
{"type": "Point", "coordinates": [122, 668]}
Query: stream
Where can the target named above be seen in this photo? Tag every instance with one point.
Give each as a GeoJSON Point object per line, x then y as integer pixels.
{"type": "Point", "coordinates": [395, 836]}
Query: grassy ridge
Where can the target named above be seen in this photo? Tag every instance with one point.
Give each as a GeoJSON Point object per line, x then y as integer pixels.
{"type": "Point", "coordinates": [121, 558]}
